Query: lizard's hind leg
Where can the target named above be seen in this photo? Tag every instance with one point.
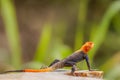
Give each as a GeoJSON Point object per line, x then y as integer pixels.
{"type": "Point", "coordinates": [55, 61]}
{"type": "Point", "coordinates": [73, 64]}
{"type": "Point", "coordinates": [73, 69]}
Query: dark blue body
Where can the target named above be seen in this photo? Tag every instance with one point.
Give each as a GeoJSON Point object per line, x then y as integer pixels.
{"type": "Point", "coordinates": [74, 58]}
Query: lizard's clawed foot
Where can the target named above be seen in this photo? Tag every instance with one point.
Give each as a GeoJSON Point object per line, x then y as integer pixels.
{"type": "Point", "coordinates": [72, 73]}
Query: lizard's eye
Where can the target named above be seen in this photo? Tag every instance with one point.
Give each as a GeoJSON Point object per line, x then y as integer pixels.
{"type": "Point", "coordinates": [88, 47]}
{"type": "Point", "coordinates": [90, 43]}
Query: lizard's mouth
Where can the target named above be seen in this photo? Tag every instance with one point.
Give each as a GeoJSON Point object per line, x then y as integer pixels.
{"type": "Point", "coordinates": [92, 45]}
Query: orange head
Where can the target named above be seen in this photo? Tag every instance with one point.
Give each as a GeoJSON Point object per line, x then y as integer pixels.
{"type": "Point", "coordinates": [87, 46]}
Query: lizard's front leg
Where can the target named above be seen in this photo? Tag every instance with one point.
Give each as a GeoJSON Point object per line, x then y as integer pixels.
{"type": "Point", "coordinates": [88, 63]}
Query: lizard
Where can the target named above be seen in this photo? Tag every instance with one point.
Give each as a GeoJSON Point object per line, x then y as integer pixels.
{"type": "Point", "coordinates": [69, 61]}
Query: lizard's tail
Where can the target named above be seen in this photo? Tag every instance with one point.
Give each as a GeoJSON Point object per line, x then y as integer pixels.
{"type": "Point", "coordinates": [12, 71]}
{"type": "Point", "coordinates": [38, 70]}
{"type": "Point", "coordinates": [30, 70]}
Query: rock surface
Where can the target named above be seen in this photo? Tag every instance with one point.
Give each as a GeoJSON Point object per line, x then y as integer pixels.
{"type": "Point", "coordinates": [43, 76]}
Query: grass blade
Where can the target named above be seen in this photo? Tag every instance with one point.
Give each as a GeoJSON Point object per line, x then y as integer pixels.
{"type": "Point", "coordinates": [43, 43]}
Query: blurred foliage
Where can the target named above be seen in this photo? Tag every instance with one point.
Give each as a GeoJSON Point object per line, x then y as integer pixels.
{"type": "Point", "coordinates": [82, 14]}
{"type": "Point", "coordinates": [55, 35]}
{"type": "Point", "coordinates": [114, 74]}
{"type": "Point", "coordinates": [43, 43]}
{"type": "Point", "coordinates": [11, 27]}
{"type": "Point", "coordinates": [112, 62]}
{"type": "Point", "coordinates": [97, 37]}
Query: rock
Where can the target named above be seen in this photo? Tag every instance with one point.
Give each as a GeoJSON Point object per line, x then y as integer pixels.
{"type": "Point", "coordinates": [92, 74]}
{"type": "Point", "coordinates": [50, 76]}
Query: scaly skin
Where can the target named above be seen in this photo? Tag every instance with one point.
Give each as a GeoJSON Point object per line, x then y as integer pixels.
{"type": "Point", "coordinates": [70, 61]}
